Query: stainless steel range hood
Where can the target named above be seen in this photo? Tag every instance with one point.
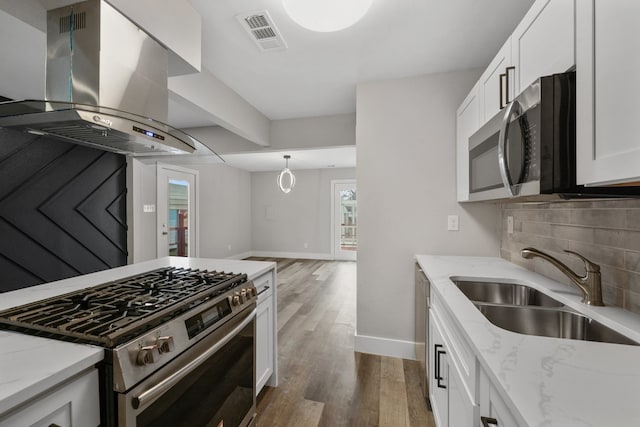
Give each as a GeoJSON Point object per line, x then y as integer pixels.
{"type": "Point", "coordinates": [106, 86]}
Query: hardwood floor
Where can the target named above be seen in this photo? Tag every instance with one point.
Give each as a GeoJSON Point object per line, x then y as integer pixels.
{"type": "Point", "coordinates": [323, 382]}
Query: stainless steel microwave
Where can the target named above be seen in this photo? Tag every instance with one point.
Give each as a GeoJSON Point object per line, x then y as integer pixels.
{"type": "Point", "coordinates": [528, 150]}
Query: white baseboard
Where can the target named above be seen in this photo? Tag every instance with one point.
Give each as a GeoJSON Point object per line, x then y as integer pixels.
{"type": "Point", "coordinates": [240, 256]}
{"type": "Point", "coordinates": [298, 255]}
{"type": "Point", "coordinates": [385, 347]}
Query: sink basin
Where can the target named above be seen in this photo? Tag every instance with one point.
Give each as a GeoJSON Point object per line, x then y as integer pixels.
{"type": "Point", "coordinates": [505, 293]}
{"type": "Point", "coordinates": [551, 322]}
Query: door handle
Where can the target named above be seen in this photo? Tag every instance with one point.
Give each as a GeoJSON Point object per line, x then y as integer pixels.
{"type": "Point", "coordinates": [506, 73]}
{"type": "Point", "coordinates": [505, 174]}
{"type": "Point", "coordinates": [164, 233]}
{"type": "Point", "coordinates": [438, 352]}
{"type": "Point", "coordinates": [501, 84]}
{"type": "Point", "coordinates": [488, 422]}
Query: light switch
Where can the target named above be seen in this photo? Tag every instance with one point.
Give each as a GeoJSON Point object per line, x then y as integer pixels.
{"type": "Point", "coordinates": [453, 223]}
{"type": "Point", "coordinates": [509, 224]}
{"type": "Point", "coordinates": [149, 208]}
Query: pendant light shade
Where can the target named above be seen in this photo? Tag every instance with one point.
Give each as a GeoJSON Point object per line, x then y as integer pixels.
{"type": "Point", "coordinates": [286, 180]}
{"type": "Point", "coordinates": [326, 15]}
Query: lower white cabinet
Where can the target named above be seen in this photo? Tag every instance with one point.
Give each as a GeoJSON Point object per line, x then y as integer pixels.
{"type": "Point", "coordinates": [264, 342]}
{"type": "Point", "coordinates": [493, 409]}
{"type": "Point", "coordinates": [450, 400]}
{"type": "Point", "coordinates": [74, 403]}
{"type": "Point", "coordinates": [266, 332]}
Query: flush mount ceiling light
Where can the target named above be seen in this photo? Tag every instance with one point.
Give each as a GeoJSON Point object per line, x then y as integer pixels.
{"type": "Point", "coordinates": [286, 175]}
{"type": "Point", "coordinates": [326, 15]}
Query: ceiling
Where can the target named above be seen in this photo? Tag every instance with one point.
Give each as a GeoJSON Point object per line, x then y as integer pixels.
{"type": "Point", "coordinates": [318, 73]}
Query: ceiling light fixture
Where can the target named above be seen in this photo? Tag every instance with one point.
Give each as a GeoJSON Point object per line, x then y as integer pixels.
{"type": "Point", "coordinates": [286, 175]}
{"type": "Point", "coordinates": [326, 15]}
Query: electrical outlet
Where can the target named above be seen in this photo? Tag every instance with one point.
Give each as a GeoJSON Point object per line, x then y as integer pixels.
{"type": "Point", "coordinates": [229, 248]}
{"type": "Point", "coordinates": [509, 224]}
{"type": "Point", "coordinates": [453, 223]}
{"type": "Point", "coordinates": [306, 245]}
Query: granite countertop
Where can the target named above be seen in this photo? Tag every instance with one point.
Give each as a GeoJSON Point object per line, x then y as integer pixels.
{"type": "Point", "coordinates": [545, 381]}
{"type": "Point", "coordinates": [31, 365]}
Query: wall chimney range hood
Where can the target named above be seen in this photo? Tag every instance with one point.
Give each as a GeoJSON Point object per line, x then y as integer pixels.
{"type": "Point", "coordinates": [106, 86]}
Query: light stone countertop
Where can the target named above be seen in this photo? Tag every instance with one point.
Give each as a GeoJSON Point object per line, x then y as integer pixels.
{"type": "Point", "coordinates": [31, 365]}
{"type": "Point", "coordinates": [546, 382]}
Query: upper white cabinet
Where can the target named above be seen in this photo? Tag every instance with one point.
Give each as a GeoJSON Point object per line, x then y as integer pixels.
{"type": "Point", "coordinates": [544, 41]}
{"type": "Point", "coordinates": [467, 122]}
{"type": "Point", "coordinates": [494, 83]}
{"type": "Point", "coordinates": [607, 81]}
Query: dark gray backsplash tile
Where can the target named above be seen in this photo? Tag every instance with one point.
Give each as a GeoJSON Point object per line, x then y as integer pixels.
{"type": "Point", "coordinates": [605, 231]}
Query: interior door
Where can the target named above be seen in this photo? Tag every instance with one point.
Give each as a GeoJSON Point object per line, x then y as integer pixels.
{"type": "Point", "coordinates": [177, 234]}
{"type": "Point", "coordinates": [345, 220]}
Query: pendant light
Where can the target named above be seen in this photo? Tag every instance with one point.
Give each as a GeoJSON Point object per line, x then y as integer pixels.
{"type": "Point", "coordinates": [289, 176]}
{"type": "Point", "coordinates": [326, 15]}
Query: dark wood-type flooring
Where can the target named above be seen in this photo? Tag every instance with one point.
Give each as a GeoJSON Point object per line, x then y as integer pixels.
{"type": "Point", "coordinates": [323, 381]}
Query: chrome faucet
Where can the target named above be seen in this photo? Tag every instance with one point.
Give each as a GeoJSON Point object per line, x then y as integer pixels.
{"type": "Point", "coordinates": [590, 284]}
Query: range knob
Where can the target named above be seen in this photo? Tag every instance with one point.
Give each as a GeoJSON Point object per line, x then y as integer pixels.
{"type": "Point", "coordinates": [243, 295]}
{"type": "Point", "coordinates": [236, 299]}
{"type": "Point", "coordinates": [147, 355]}
{"type": "Point", "coordinates": [165, 344]}
{"type": "Point", "coordinates": [253, 291]}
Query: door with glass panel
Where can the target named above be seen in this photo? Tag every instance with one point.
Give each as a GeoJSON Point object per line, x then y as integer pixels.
{"type": "Point", "coordinates": [345, 220]}
{"type": "Point", "coordinates": [176, 211]}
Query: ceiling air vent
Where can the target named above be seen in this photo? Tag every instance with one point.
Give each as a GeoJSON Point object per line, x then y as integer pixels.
{"type": "Point", "coordinates": [262, 30]}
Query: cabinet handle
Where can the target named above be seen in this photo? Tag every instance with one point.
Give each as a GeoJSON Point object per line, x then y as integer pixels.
{"type": "Point", "coordinates": [437, 376]}
{"type": "Point", "coordinates": [263, 290]}
{"type": "Point", "coordinates": [502, 79]}
{"type": "Point", "coordinates": [488, 422]}
{"type": "Point", "coordinates": [506, 73]}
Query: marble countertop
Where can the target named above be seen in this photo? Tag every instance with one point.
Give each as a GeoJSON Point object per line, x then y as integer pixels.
{"type": "Point", "coordinates": [31, 365]}
{"type": "Point", "coordinates": [546, 381]}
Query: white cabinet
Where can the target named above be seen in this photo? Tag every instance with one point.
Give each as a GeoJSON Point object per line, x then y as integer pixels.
{"type": "Point", "coordinates": [266, 333]}
{"type": "Point", "coordinates": [492, 406]}
{"type": "Point", "coordinates": [74, 403]}
{"type": "Point", "coordinates": [467, 122]}
{"type": "Point", "coordinates": [495, 84]}
{"type": "Point", "coordinates": [452, 371]}
{"type": "Point", "coordinates": [608, 81]}
{"type": "Point", "coordinates": [544, 42]}
{"type": "Point", "coordinates": [438, 393]}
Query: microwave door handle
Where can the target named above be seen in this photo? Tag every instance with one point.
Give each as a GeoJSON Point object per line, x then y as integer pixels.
{"type": "Point", "coordinates": [512, 108]}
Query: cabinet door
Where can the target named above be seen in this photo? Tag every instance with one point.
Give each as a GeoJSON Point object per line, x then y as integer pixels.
{"type": "Point", "coordinates": [608, 81]}
{"type": "Point", "coordinates": [490, 83]}
{"type": "Point", "coordinates": [462, 410]}
{"type": "Point", "coordinates": [72, 404]}
{"type": "Point", "coordinates": [467, 122]}
{"type": "Point", "coordinates": [499, 411]}
{"type": "Point", "coordinates": [543, 43]}
{"type": "Point", "coordinates": [264, 343]}
{"type": "Point", "coordinates": [438, 374]}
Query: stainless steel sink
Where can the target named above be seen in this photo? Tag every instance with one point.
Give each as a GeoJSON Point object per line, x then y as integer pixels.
{"type": "Point", "coordinates": [505, 293]}
{"type": "Point", "coordinates": [550, 322]}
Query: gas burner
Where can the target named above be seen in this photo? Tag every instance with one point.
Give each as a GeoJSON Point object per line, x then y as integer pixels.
{"type": "Point", "coordinates": [114, 312]}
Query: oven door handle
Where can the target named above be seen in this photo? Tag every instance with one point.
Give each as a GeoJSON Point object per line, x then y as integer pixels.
{"type": "Point", "coordinates": [512, 108]}
{"type": "Point", "coordinates": [160, 388]}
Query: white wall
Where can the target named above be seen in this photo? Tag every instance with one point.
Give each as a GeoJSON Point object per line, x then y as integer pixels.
{"type": "Point", "coordinates": [313, 132]}
{"type": "Point", "coordinates": [283, 223]}
{"type": "Point", "coordinates": [224, 211]}
{"type": "Point", "coordinates": [405, 139]}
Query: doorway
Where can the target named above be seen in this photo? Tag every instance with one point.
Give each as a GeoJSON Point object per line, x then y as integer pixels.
{"type": "Point", "coordinates": [177, 209]}
{"type": "Point", "coordinates": [344, 220]}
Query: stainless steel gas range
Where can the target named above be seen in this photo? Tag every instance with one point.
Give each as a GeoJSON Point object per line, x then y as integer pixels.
{"type": "Point", "coordinates": [179, 345]}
